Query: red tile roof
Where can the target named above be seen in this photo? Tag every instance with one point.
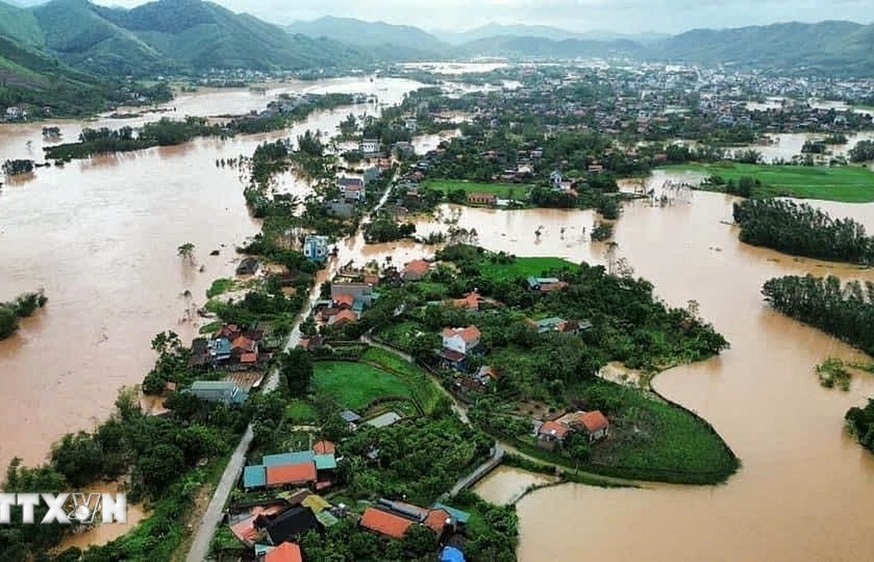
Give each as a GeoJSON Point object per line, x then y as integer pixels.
{"type": "Point", "coordinates": [471, 301]}
{"type": "Point", "coordinates": [594, 421]}
{"type": "Point", "coordinates": [559, 431]}
{"type": "Point", "coordinates": [343, 317]}
{"type": "Point", "coordinates": [436, 520]}
{"type": "Point", "coordinates": [470, 334]}
{"type": "Point", "coordinates": [286, 552]}
{"type": "Point", "coordinates": [284, 474]}
{"type": "Point", "coordinates": [249, 358]}
{"type": "Point", "coordinates": [385, 523]}
{"type": "Point", "coordinates": [244, 344]}
{"type": "Point", "coordinates": [324, 448]}
{"type": "Point", "coordinates": [347, 300]}
{"type": "Point", "coordinates": [417, 268]}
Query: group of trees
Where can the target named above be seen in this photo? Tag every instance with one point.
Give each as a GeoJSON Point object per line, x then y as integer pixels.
{"type": "Point", "coordinates": [844, 311]}
{"type": "Point", "coordinates": [22, 307]}
{"type": "Point", "coordinates": [861, 424]}
{"type": "Point", "coordinates": [386, 229]}
{"type": "Point", "coordinates": [862, 152]}
{"type": "Point", "coordinates": [801, 230]}
{"type": "Point", "coordinates": [17, 167]}
{"type": "Point", "coordinates": [743, 187]}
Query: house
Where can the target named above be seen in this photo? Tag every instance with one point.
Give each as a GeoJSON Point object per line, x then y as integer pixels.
{"type": "Point", "coordinates": [360, 291]}
{"type": "Point", "coordinates": [556, 324]}
{"type": "Point", "coordinates": [461, 340]}
{"type": "Point", "coordinates": [289, 525]}
{"type": "Point", "coordinates": [344, 302]}
{"type": "Point", "coordinates": [371, 174]}
{"type": "Point", "coordinates": [286, 552]}
{"type": "Point", "coordinates": [350, 418]}
{"type": "Point", "coordinates": [369, 146]}
{"type": "Point", "coordinates": [219, 391]}
{"type": "Point", "coordinates": [552, 434]}
{"type": "Point", "coordinates": [254, 477]}
{"type": "Point", "coordinates": [384, 420]}
{"type": "Point", "coordinates": [385, 523]}
{"type": "Point", "coordinates": [486, 199]}
{"type": "Point", "coordinates": [471, 301]}
{"type": "Point", "coordinates": [342, 318]}
{"type": "Point", "coordinates": [219, 349]}
{"type": "Point", "coordinates": [315, 248]}
{"type": "Point", "coordinates": [248, 266]}
{"type": "Point", "coordinates": [595, 425]}
{"type": "Point", "coordinates": [415, 270]}
{"type": "Point", "coordinates": [282, 475]}
{"type": "Point", "coordinates": [243, 345]}
{"type": "Point", "coordinates": [352, 189]}
{"type": "Point", "coordinates": [546, 284]}
{"type": "Point", "coordinates": [411, 124]}
{"type": "Point", "coordinates": [324, 448]}
{"type": "Point", "coordinates": [486, 375]}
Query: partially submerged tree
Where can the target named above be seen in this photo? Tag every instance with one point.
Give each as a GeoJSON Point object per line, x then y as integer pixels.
{"type": "Point", "coordinates": [186, 252]}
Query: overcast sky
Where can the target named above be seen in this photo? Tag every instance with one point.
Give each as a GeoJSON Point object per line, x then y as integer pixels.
{"type": "Point", "coordinates": [664, 16]}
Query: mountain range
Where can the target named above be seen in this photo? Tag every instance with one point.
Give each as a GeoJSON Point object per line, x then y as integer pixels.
{"type": "Point", "coordinates": [70, 40]}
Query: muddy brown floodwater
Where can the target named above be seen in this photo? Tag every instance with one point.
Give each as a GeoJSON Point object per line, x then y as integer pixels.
{"type": "Point", "coordinates": [100, 236]}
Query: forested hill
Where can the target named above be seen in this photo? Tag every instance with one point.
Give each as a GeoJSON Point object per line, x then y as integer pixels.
{"type": "Point", "coordinates": [166, 36]}
{"type": "Point", "coordinates": [829, 46]}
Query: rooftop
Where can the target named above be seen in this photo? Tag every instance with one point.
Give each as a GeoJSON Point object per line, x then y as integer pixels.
{"type": "Point", "coordinates": [288, 458]}
{"type": "Point", "coordinates": [286, 552]}
{"type": "Point", "coordinates": [285, 474]}
{"type": "Point", "coordinates": [254, 476]}
{"type": "Point", "coordinates": [385, 523]}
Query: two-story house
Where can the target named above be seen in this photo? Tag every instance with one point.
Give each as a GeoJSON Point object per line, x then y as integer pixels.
{"type": "Point", "coordinates": [457, 343]}
{"type": "Point", "coordinates": [352, 189]}
{"type": "Point", "coordinates": [315, 248]}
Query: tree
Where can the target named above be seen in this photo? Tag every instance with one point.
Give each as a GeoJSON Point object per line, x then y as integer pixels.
{"type": "Point", "coordinates": [296, 367]}
{"type": "Point", "coordinates": [186, 252]}
{"type": "Point", "coordinates": [419, 541]}
{"type": "Point", "coordinates": [79, 458]}
{"type": "Point", "coordinates": [8, 322]}
{"type": "Point", "coordinates": [160, 466]}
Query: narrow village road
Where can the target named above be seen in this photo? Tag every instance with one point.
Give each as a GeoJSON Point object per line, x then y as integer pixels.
{"type": "Point", "coordinates": [212, 518]}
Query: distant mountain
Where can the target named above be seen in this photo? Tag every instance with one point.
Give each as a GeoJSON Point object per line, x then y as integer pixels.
{"type": "Point", "coordinates": [368, 34]}
{"type": "Point", "coordinates": [833, 47]}
{"type": "Point", "coordinates": [540, 48]}
{"type": "Point", "coordinates": [543, 32]}
{"type": "Point", "coordinates": [166, 36]}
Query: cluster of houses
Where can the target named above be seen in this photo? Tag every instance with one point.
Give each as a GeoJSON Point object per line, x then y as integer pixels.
{"type": "Point", "coordinates": [348, 301]}
{"type": "Point", "coordinates": [552, 433]}
{"type": "Point", "coordinates": [231, 348]}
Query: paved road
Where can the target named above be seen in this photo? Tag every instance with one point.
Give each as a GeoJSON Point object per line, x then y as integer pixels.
{"type": "Point", "coordinates": [212, 518]}
{"type": "Point", "coordinates": [479, 472]}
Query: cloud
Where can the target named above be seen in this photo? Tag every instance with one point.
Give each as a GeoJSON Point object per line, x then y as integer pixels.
{"type": "Point", "coordinates": [665, 16]}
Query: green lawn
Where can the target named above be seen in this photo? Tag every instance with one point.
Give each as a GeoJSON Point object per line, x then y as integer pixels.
{"type": "Point", "coordinates": [355, 385]}
{"type": "Point", "coordinates": [301, 412]}
{"type": "Point", "coordinates": [423, 388]}
{"type": "Point", "coordinates": [502, 190]}
{"type": "Point", "coordinates": [851, 184]}
{"type": "Point", "coordinates": [524, 267]}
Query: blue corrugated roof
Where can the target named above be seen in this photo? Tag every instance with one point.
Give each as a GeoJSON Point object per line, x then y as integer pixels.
{"type": "Point", "coordinates": [451, 554]}
{"type": "Point", "coordinates": [288, 458]}
{"type": "Point", "coordinates": [461, 516]}
{"type": "Point", "coordinates": [254, 476]}
{"type": "Point", "coordinates": [325, 462]}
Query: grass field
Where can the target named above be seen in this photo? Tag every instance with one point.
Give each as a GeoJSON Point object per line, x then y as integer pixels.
{"type": "Point", "coordinates": [355, 385]}
{"type": "Point", "coordinates": [423, 389]}
{"type": "Point", "coordinates": [850, 184]}
{"type": "Point", "coordinates": [502, 190]}
{"type": "Point", "coordinates": [301, 412]}
{"type": "Point", "coordinates": [524, 267]}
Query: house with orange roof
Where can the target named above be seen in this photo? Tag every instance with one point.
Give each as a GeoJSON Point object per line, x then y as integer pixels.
{"type": "Point", "coordinates": [461, 340]}
{"type": "Point", "coordinates": [385, 523]}
{"type": "Point", "coordinates": [324, 448]}
{"type": "Point", "coordinates": [470, 301]}
{"type": "Point", "coordinates": [286, 552]}
{"type": "Point", "coordinates": [300, 474]}
{"type": "Point", "coordinates": [342, 318]}
{"type": "Point", "coordinates": [415, 270]}
{"type": "Point", "coordinates": [552, 435]}
{"type": "Point", "coordinates": [595, 425]}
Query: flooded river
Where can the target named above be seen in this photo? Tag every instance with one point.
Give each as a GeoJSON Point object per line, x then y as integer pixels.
{"type": "Point", "coordinates": [101, 236]}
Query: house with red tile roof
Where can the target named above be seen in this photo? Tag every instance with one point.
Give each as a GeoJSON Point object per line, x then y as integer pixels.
{"type": "Point", "coordinates": [552, 434]}
{"type": "Point", "coordinates": [461, 340]}
{"type": "Point", "coordinates": [344, 301]}
{"type": "Point", "coordinates": [286, 552]}
{"type": "Point", "coordinates": [324, 448]}
{"type": "Point", "coordinates": [385, 523]}
{"type": "Point", "coordinates": [415, 270]}
{"type": "Point", "coordinates": [342, 318]}
{"type": "Point", "coordinates": [595, 425]}
{"type": "Point", "coordinates": [437, 521]}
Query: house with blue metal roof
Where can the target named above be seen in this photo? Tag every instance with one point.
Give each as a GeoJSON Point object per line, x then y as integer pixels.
{"type": "Point", "coordinates": [254, 477]}
{"type": "Point", "coordinates": [288, 458]}
{"type": "Point", "coordinates": [325, 462]}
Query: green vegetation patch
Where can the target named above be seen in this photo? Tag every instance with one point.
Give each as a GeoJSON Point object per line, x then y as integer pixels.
{"type": "Point", "coordinates": [848, 184]}
{"type": "Point", "coordinates": [832, 372]}
{"type": "Point", "coordinates": [522, 267]}
{"type": "Point", "coordinates": [423, 389]}
{"type": "Point", "coordinates": [301, 412]}
{"type": "Point", "coordinates": [502, 190]}
{"type": "Point", "coordinates": [648, 435]}
{"type": "Point", "coordinates": [355, 385]}
{"type": "Point", "coordinates": [219, 287]}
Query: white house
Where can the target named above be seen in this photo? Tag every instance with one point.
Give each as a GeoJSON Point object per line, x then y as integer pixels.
{"type": "Point", "coordinates": [352, 189]}
{"type": "Point", "coordinates": [369, 146]}
{"type": "Point", "coordinates": [461, 340]}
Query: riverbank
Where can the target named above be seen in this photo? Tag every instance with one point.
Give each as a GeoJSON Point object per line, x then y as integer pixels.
{"type": "Point", "coordinates": [848, 184]}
